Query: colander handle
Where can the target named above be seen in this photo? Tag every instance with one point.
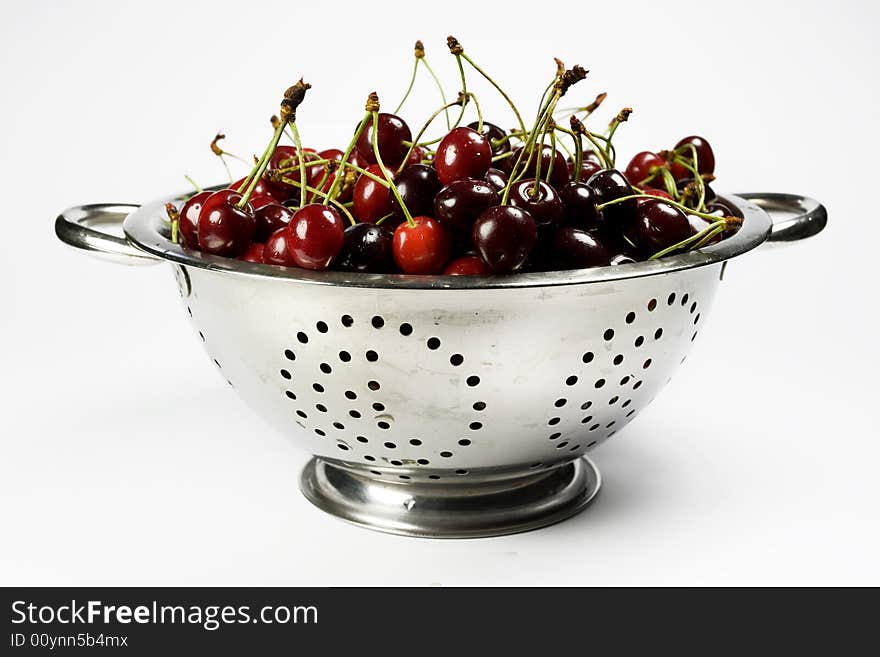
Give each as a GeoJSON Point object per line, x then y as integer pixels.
{"type": "Point", "coordinates": [809, 218]}
{"type": "Point", "coordinates": [79, 227]}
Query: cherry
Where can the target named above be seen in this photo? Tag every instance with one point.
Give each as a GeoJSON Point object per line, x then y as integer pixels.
{"type": "Point", "coordinates": [573, 248]}
{"type": "Point", "coordinates": [645, 169]}
{"type": "Point", "coordinates": [275, 251]}
{"type": "Point", "coordinates": [462, 153]}
{"type": "Point", "coordinates": [371, 200]}
{"type": "Point", "coordinates": [331, 154]}
{"type": "Point", "coordinates": [264, 188]}
{"type": "Point", "coordinates": [286, 157]}
{"type": "Point", "coordinates": [558, 176]}
{"type": "Point", "coordinates": [684, 183]}
{"type": "Point", "coordinates": [497, 179]}
{"type": "Point", "coordinates": [544, 204]}
{"type": "Point", "coordinates": [457, 205]}
{"type": "Point", "coordinates": [416, 155]}
{"type": "Point", "coordinates": [224, 229]}
{"type": "Point", "coordinates": [717, 206]}
{"type": "Point", "coordinates": [505, 236]}
{"type": "Point", "coordinates": [257, 201]}
{"type": "Point", "coordinates": [705, 157]}
{"type": "Point", "coordinates": [579, 203]}
{"type": "Point", "coordinates": [660, 225]}
{"type": "Point", "coordinates": [417, 184]}
{"type": "Point", "coordinates": [610, 184]}
{"type": "Point", "coordinates": [189, 219]}
{"type": "Point", "coordinates": [254, 253]}
{"type": "Point", "coordinates": [367, 248]}
{"type": "Point", "coordinates": [660, 193]}
{"type": "Point", "coordinates": [315, 236]}
{"type": "Point", "coordinates": [588, 168]}
{"type": "Point", "coordinates": [270, 218]}
{"type": "Point", "coordinates": [469, 265]}
{"type": "Point", "coordinates": [423, 247]}
{"type": "Point", "coordinates": [497, 136]}
{"type": "Point", "coordinates": [392, 131]}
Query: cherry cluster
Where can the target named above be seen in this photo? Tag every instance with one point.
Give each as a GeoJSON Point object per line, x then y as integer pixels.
{"type": "Point", "coordinates": [479, 200]}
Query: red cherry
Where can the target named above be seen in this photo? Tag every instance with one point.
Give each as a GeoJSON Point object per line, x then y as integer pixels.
{"type": "Point", "coordinates": [275, 252]}
{"type": "Point", "coordinates": [588, 168]}
{"type": "Point", "coordinates": [224, 228]}
{"type": "Point", "coordinates": [189, 219]}
{"type": "Point", "coordinates": [462, 153]}
{"type": "Point", "coordinates": [469, 265]}
{"type": "Point", "coordinates": [315, 236]}
{"type": "Point", "coordinates": [417, 155]}
{"type": "Point", "coordinates": [254, 253]}
{"type": "Point", "coordinates": [371, 200]}
{"type": "Point", "coordinates": [558, 176]}
{"type": "Point", "coordinates": [270, 218]}
{"type": "Point", "coordinates": [391, 134]}
{"type": "Point", "coordinates": [259, 200]}
{"type": "Point", "coordinates": [654, 192]}
{"type": "Point", "coordinates": [423, 248]}
{"type": "Point", "coordinates": [705, 157]}
{"type": "Point", "coordinates": [286, 157]}
{"type": "Point", "coordinates": [645, 169]}
{"type": "Point", "coordinates": [263, 188]}
{"type": "Point", "coordinates": [331, 154]}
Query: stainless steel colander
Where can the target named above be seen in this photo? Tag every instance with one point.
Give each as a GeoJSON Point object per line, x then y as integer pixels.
{"type": "Point", "coordinates": [445, 406]}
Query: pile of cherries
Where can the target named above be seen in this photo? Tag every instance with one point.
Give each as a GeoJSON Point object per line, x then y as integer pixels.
{"type": "Point", "coordinates": [485, 201]}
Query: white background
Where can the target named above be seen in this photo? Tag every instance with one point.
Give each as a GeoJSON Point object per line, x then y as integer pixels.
{"type": "Point", "coordinates": [127, 460]}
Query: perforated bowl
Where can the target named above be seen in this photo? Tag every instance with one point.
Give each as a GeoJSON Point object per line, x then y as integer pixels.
{"type": "Point", "coordinates": [444, 406]}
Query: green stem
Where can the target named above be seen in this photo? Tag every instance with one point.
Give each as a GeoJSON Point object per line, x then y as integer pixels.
{"type": "Point", "coordinates": [463, 89]}
{"type": "Point", "coordinates": [522, 125]}
{"type": "Point", "coordinates": [301, 156]}
{"type": "Point", "coordinates": [260, 167]}
{"type": "Point", "coordinates": [440, 87]}
{"type": "Point", "coordinates": [676, 204]}
{"type": "Point", "coordinates": [318, 192]}
{"type": "Point", "coordinates": [685, 243]}
{"type": "Point", "coordinates": [412, 81]}
{"type": "Point", "coordinates": [192, 182]}
{"type": "Point", "coordinates": [384, 171]}
{"type": "Point", "coordinates": [334, 188]}
{"type": "Point", "coordinates": [423, 129]}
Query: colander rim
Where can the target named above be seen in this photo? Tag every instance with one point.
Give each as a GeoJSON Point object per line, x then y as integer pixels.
{"type": "Point", "coordinates": [146, 228]}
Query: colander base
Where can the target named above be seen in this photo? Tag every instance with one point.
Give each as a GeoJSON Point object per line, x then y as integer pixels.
{"type": "Point", "coordinates": [470, 509]}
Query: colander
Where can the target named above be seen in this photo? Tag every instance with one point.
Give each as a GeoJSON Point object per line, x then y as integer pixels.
{"type": "Point", "coordinates": [444, 406]}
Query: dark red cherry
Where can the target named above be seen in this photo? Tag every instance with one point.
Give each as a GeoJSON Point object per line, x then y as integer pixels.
{"type": "Point", "coordinates": [576, 249]}
{"type": "Point", "coordinates": [457, 205]}
{"type": "Point", "coordinates": [331, 154]}
{"type": "Point", "coordinates": [224, 229]}
{"type": "Point", "coordinates": [504, 236]}
{"type": "Point", "coordinates": [658, 193]}
{"type": "Point", "coordinates": [259, 200]}
{"type": "Point", "coordinates": [497, 179]}
{"type": "Point", "coordinates": [254, 253]}
{"type": "Point", "coordinates": [367, 248]}
{"type": "Point", "coordinates": [610, 184]}
{"type": "Point", "coordinates": [645, 168]}
{"type": "Point", "coordinates": [559, 175]}
{"type": "Point", "coordinates": [371, 200]}
{"type": "Point", "coordinates": [469, 265]}
{"type": "Point", "coordinates": [270, 218]}
{"type": "Point", "coordinates": [705, 157]}
{"type": "Point", "coordinates": [542, 202]}
{"type": "Point", "coordinates": [588, 168]}
{"type": "Point", "coordinates": [391, 134]}
{"type": "Point", "coordinates": [423, 248]}
{"type": "Point", "coordinates": [660, 225]}
{"type": "Point", "coordinates": [497, 137]}
{"type": "Point", "coordinates": [417, 184]}
{"type": "Point", "coordinates": [416, 155]}
{"type": "Point", "coordinates": [462, 153]}
{"type": "Point", "coordinates": [315, 236]}
{"type": "Point", "coordinates": [275, 251]}
{"type": "Point", "coordinates": [189, 219]}
{"type": "Point", "coordinates": [264, 188]}
{"type": "Point", "coordinates": [285, 157]}
{"type": "Point", "coordinates": [717, 206]}
{"type": "Point", "coordinates": [579, 203]}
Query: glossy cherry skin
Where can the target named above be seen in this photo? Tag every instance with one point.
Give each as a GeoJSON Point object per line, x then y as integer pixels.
{"type": "Point", "coordinates": [559, 175]}
{"type": "Point", "coordinates": [660, 225]}
{"type": "Point", "coordinates": [189, 219]}
{"type": "Point", "coordinates": [254, 253]}
{"type": "Point", "coordinates": [391, 133]}
{"type": "Point", "coordinates": [371, 200]}
{"type": "Point", "coordinates": [286, 157]}
{"type": "Point", "coordinates": [497, 179]}
{"type": "Point", "coordinates": [459, 203]}
{"type": "Point", "coordinates": [315, 236]}
{"type": "Point", "coordinates": [270, 218]}
{"type": "Point", "coordinates": [544, 206]}
{"type": "Point", "coordinates": [579, 205]}
{"type": "Point", "coordinates": [224, 229]}
{"type": "Point", "coordinates": [423, 248]}
{"type": "Point", "coordinates": [264, 188]}
{"type": "Point", "coordinates": [645, 169]}
{"type": "Point", "coordinates": [621, 259]}
{"type": "Point", "coordinates": [720, 207]}
{"type": "Point", "coordinates": [367, 248]}
{"type": "Point", "coordinates": [705, 157]}
{"type": "Point", "coordinates": [610, 184]}
{"type": "Point", "coordinates": [275, 251]}
{"type": "Point", "coordinates": [588, 168]}
{"type": "Point", "coordinates": [497, 136]}
{"type": "Point", "coordinates": [417, 184]}
{"type": "Point", "coordinates": [504, 236]}
{"type": "Point", "coordinates": [659, 193]}
{"type": "Point", "coordinates": [576, 249]}
{"type": "Point", "coordinates": [416, 155]}
{"type": "Point", "coordinates": [469, 265]}
{"type": "Point", "coordinates": [462, 153]}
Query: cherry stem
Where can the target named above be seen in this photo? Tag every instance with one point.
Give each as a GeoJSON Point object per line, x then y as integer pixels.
{"type": "Point", "coordinates": [306, 190]}
{"type": "Point", "coordinates": [323, 180]}
{"type": "Point", "coordinates": [694, 168]}
{"type": "Point", "coordinates": [174, 218]}
{"type": "Point", "coordinates": [260, 167]}
{"type": "Point", "coordinates": [226, 166]}
{"type": "Point", "coordinates": [380, 220]}
{"type": "Point", "coordinates": [676, 204]}
{"type": "Point", "coordinates": [192, 182]}
{"type": "Point", "coordinates": [440, 87]}
{"type": "Point", "coordinates": [461, 100]}
{"type": "Point", "coordinates": [384, 171]}
{"type": "Point", "coordinates": [522, 125]}
{"type": "Point", "coordinates": [351, 145]}
{"type": "Point", "coordinates": [578, 151]}
{"type": "Point", "coordinates": [698, 239]}
{"type": "Point", "coordinates": [463, 88]}
{"type": "Point", "coordinates": [412, 81]}
{"type": "Point", "coordinates": [301, 156]}
{"type": "Point", "coordinates": [530, 142]}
